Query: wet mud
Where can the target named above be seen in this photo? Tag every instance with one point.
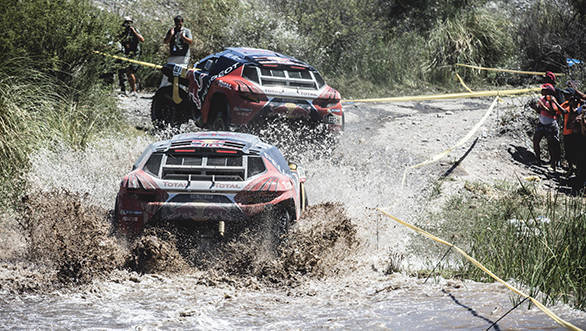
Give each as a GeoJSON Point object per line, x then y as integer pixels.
{"type": "Point", "coordinates": [69, 242]}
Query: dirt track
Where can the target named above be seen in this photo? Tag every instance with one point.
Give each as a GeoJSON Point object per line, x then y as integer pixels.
{"type": "Point", "coordinates": [349, 288]}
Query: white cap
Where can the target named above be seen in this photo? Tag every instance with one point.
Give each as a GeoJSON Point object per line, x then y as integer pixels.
{"type": "Point", "coordinates": [128, 18]}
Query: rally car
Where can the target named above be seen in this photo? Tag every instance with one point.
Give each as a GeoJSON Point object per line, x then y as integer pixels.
{"type": "Point", "coordinates": [219, 179]}
{"type": "Point", "coordinates": [244, 86]}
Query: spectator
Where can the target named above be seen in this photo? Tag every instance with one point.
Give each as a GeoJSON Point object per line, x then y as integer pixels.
{"type": "Point", "coordinates": [550, 78]}
{"type": "Point", "coordinates": [130, 40]}
{"type": "Point", "coordinates": [548, 109]}
{"type": "Point", "coordinates": [570, 132]}
{"type": "Point", "coordinates": [179, 39]}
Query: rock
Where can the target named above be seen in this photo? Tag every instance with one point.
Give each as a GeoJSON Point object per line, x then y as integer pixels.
{"type": "Point", "coordinates": [449, 112]}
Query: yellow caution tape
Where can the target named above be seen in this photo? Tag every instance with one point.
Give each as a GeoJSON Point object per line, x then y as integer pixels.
{"type": "Point", "coordinates": [449, 95]}
{"type": "Point", "coordinates": [539, 305]}
{"type": "Point", "coordinates": [467, 88]}
{"type": "Point", "coordinates": [536, 73]}
{"type": "Point", "coordinates": [532, 178]}
{"type": "Point", "coordinates": [146, 64]}
{"type": "Point", "coordinates": [463, 84]}
{"type": "Point", "coordinates": [460, 142]}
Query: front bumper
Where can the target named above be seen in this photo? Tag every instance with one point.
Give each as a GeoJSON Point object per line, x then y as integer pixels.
{"type": "Point", "coordinates": [196, 211]}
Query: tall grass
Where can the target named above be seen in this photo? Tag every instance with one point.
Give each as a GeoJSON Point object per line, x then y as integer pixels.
{"type": "Point", "coordinates": [478, 36]}
{"type": "Point", "coordinates": [50, 81]}
{"type": "Point", "coordinates": [538, 239]}
{"type": "Point", "coordinates": [36, 109]}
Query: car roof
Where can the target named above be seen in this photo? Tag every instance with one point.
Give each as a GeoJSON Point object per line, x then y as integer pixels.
{"type": "Point", "coordinates": [244, 141]}
{"type": "Point", "coordinates": [259, 56]}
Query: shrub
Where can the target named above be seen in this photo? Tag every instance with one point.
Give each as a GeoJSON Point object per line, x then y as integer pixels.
{"type": "Point", "coordinates": [58, 35]}
{"type": "Point", "coordinates": [476, 36]}
{"type": "Point", "coordinates": [549, 32]}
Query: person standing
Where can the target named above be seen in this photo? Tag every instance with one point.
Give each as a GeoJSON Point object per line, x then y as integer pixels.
{"type": "Point", "coordinates": [130, 40]}
{"type": "Point", "coordinates": [548, 109]}
{"type": "Point", "coordinates": [179, 39]}
{"type": "Point", "coordinates": [570, 133]}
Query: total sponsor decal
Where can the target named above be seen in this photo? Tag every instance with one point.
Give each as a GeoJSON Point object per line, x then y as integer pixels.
{"type": "Point", "coordinates": [292, 92]}
{"type": "Point", "coordinates": [216, 185]}
{"type": "Point", "coordinates": [174, 184]}
{"type": "Point", "coordinates": [229, 186]}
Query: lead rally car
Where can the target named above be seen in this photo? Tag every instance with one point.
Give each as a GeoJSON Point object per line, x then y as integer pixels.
{"type": "Point", "coordinates": [243, 86]}
{"type": "Point", "coordinates": [219, 179]}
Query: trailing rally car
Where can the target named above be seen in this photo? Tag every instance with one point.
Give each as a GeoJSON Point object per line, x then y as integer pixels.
{"type": "Point", "coordinates": [219, 179]}
{"type": "Point", "coordinates": [242, 86]}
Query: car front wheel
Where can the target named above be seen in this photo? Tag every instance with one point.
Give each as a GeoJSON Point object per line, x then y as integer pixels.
{"type": "Point", "coordinates": [164, 111]}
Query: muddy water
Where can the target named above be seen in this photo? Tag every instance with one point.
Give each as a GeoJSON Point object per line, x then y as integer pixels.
{"type": "Point", "coordinates": [329, 274]}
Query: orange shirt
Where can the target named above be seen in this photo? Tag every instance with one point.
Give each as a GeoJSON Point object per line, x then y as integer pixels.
{"type": "Point", "coordinates": [570, 113]}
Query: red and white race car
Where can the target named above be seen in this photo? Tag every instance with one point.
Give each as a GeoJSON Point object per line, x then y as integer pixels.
{"type": "Point", "coordinates": [243, 86]}
{"type": "Point", "coordinates": [220, 179]}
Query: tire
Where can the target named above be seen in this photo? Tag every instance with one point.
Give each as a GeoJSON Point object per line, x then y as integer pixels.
{"type": "Point", "coordinates": [164, 111]}
{"type": "Point", "coordinates": [115, 226]}
{"type": "Point", "coordinates": [272, 228]}
{"type": "Point", "coordinates": [220, 110]}
{"type": "Point", "coordinates": [303, 197]}
{"type": "Point", "coordinates": [282, 222]}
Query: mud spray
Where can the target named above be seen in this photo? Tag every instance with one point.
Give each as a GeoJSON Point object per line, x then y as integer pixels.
{"type": "Point", "coordinates": [341, 266]}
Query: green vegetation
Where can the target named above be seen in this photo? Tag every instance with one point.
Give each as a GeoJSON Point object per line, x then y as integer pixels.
{"type": "Point", "coordinates": [537, 239]}
{"type": "Point", "coordinates": [380, 47]}
{"type": "Point", "coordinates": [50, 89]}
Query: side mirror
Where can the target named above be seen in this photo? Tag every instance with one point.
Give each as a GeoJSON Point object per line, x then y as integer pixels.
{"type": "Point", "coordinates": [299, 170]}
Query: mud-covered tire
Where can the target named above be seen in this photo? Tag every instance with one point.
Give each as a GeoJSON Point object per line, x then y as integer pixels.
{"type": "Point", "coordinates": [165, 112]}
{"type": "Point", "coordinates": [115, 226]}
{"type": "Point", "coordinates": [283, 221]}
{"type": "Point", "coordinates": [303, 197]}
{"type": "Point", "coordinates": [220, 109]}
{"type": "Point", "coordinates": [273, 226]}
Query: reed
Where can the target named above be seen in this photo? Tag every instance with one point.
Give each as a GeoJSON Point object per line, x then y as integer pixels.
{"type": "Point", "coordinates": [520, 233]}
{"type": "Point", "coordinates": [36, 109]}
